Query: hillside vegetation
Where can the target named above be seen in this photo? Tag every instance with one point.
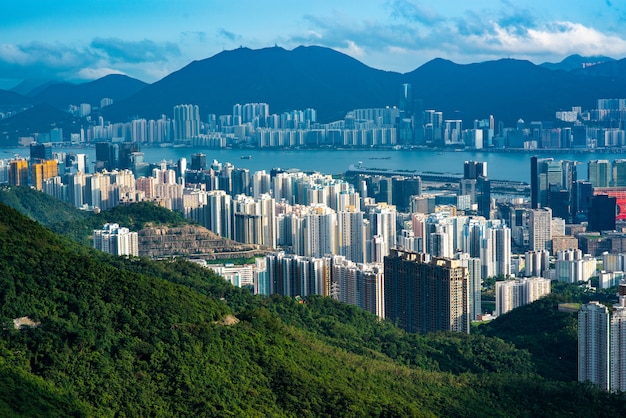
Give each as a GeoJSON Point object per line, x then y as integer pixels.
{"type": "Point", "coordinates": [132, 337]}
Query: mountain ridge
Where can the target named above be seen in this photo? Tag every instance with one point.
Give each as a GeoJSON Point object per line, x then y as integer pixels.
{"type": "Point", "coordinates": [334, 83]}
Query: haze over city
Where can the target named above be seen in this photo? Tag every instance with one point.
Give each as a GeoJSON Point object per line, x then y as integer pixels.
{"type": "Point", "coordinates": [80, 41]}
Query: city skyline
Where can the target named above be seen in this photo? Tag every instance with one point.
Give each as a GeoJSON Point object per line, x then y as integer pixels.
{"type": "Point", "coordinates": [80, 42]}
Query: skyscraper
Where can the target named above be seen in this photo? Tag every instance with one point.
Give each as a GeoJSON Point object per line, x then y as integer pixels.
{"type": "Point", "coordinates": [186, 121]}
{"type": "Point", "coordinates": [602, 210]}
{"type": "Point", "coordinates": [18, 172]}
{"type": "Point", "coordinates": [599, 173]}
{"type": "Point", "coordinates": [619, 173]}
{"type": "Point", "coordinates": [540, 225]}
{"type": "Point", "coordinates": [424, 295]}
{"type": "Point", "coordinates": [593, 344]}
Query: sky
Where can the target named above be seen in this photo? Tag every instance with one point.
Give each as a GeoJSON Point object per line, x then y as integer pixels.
{"type": "Point", "coordinates": [84, 40]}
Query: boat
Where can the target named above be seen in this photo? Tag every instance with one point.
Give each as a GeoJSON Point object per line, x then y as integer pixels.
{"type": "Point", "coordinates": [246, 157]}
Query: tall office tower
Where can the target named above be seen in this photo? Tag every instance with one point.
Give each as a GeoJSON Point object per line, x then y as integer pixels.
{"type": "Point", "coordinates": [198, 162]}
{"type": "Point", "coordinates": [602, 212]}
{"type": "Point", "coordinates": [594, 345]}
{"type": "Point", "coordinates": [473, 267]}
{"type": "Point", "coordinates": [433, 127]}
{"type": "Point", "coordinates": [554, 180]}
{"type": "Point", "coordinates": [474, 169]}
{"type": "Point", "coordinates": [477, 186]}
{"type": "Point", "coordinates": [511, 294]}
{"type": "Point", "coordinates": [357, 284]}
{"type": "Point", "coordinates": [599, 173]}
{"type": "Point", "coordinates": [619, 173]}
{"type": "Point", "coordinates": [351, 236]}
{"type": "Point", "coordinates": [107, 156]}
{"type": "Point", "coordinates": [406, 100]}
{"type": "Point", "coordinates": [18, 172]}
{"type": "Point", "coordinates": [40, 151]}
{"type": "Point", "coordinates": [219, 213]}
{"type": "Point", "coordinates": [261, 183]}
{"type": "Point", "coordinates": [127, 155]}
{"type": "Point", "coordinates": [43, 170]}
{"type": "Point", "coordinates": [540, 229]}
{"type": "Point", "coordinates": [423, 295]}
{"type": "Point", "coordinates": [186, 121]}
{"type": "Point", "coordinates": [581, 193]}
{"type": "Point", "coordinates": [380, 188]}
{"type": "Point", "coordinates": [115, 240]}
{"type": "Point", "coordinates": [403, 188]}
{"type": "Point", "coordinates": [534, 182]}
{"type": "Point", "coordinates": [382, 221]}
{"type": "Point", "coordinates": [453, 132]}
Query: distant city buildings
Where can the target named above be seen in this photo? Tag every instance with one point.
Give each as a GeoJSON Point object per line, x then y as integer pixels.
{"type": "Point", "coordinates": [360, 238]}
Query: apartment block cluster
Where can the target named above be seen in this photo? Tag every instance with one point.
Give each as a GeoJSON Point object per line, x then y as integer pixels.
{"type": "Point", "coordinates": [330, 236]}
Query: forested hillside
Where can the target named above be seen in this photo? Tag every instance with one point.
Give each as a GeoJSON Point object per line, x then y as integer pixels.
{"type": "Point", "coordinates": [132, 337]}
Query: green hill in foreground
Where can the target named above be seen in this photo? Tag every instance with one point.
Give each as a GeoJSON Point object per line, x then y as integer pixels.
{"type": "Point", "coordinates": [116, 337]}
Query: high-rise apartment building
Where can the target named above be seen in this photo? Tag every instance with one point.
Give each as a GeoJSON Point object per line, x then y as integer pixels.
{"type": "Point", "coordinates": [594, 345]}
{"type": "Point", "coordinates": [43, 170]}
{"type": "Point", "coordinates": [426, 295]}
{"type": "Point", "coordinates": [540, 229]}
{"type": "Point", "coordinates": [115, 240]}
{"type": "Point", "coordinates": [358, 284]}
{"type": "Point", "coordinates": [511, 294]}
{"type": "Point", "coordinates": [186, 121]}
{"type": "Point", "coordinates": [18, 172]}
{"type": "Point", "coordinates": [293, 275]}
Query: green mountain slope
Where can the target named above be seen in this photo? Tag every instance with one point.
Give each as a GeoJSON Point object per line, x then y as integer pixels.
{"type": "Point", "coordinates": [130, 337]}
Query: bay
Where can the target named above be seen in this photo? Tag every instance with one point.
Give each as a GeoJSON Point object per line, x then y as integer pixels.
{"type": "Point", "coordinates": [512, 166]}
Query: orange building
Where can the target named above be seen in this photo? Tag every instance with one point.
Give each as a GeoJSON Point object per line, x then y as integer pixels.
{"type": "Point", "coordinates": [43, 170]}
{"type": "Point", "coordinates": [18, 172]}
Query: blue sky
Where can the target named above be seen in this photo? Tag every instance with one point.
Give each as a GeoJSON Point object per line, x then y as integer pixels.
{"type": "Point", "coordinates": [85, 40]}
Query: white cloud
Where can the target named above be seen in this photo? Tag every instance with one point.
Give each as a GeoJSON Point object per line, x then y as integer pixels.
{"type": "Point", "coordinates": [96, 73]}
{"type": "Point", "coordinates": [352, 49]}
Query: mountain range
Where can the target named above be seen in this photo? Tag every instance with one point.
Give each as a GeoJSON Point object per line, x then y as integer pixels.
{"type": "Point", "coordinates": [334, 83]}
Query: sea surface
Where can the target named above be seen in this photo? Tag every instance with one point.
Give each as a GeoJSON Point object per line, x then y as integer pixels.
{"type": "Point", "coordinates": [513, 166]}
